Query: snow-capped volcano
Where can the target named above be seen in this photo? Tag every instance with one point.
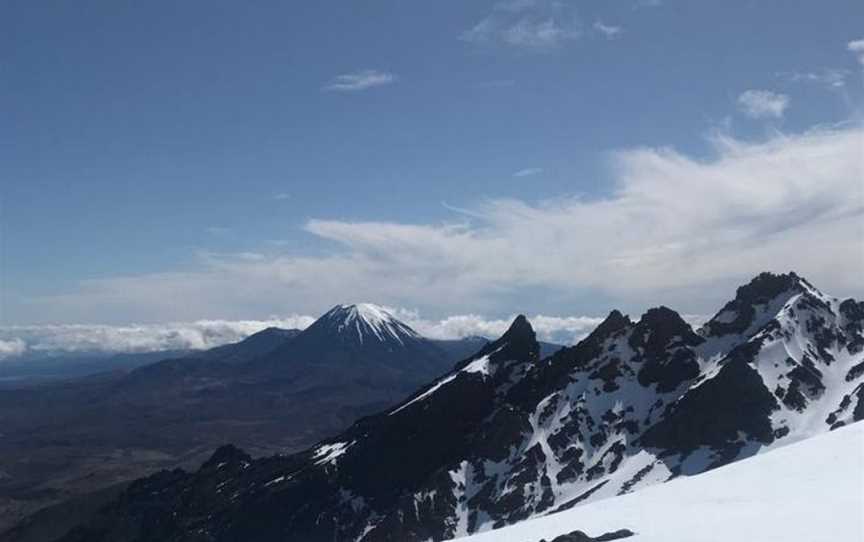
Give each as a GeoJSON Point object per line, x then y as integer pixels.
{"type": "Point", "coordinates": [369, 323]}
{"type": "Point", "coordinates": [363, 328]}
{"type": "Point", "coordinates": [506, 436]}
{"type": "Point", "coordinates": [356, 343]}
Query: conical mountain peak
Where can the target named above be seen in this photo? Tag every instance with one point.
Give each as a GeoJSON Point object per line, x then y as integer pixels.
{"type": "Point", "coordinates": [366, 322]}
{"type": "Point", "coordinates": [520, 327]}
{"type": "Point", "coordinates": [519, 342]}
{"type": "Point", "coordinates": [614, 322]}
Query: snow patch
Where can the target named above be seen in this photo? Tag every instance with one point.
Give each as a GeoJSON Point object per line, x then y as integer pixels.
{"type": "Point", "coordinates": [327, 453]}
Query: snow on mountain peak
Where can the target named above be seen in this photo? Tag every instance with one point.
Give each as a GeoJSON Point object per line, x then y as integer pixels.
{"type": "Point", "coordinates": [369, 321]}
{"type": "Point", "coordinates": [756, 303]}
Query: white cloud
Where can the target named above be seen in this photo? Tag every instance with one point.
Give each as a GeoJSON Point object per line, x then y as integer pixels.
{"type": "Point", "coordinates": [673, 228]}
{"type": "Point", "coordinates": [608, 31]}
{"type": "Point", "coordinates": [561, 329]}
{"type": "Point", "coordinates": [282, 196]}
{"type": "Point", "coordinates": [528, 172]}
{"type": "Point", "coordinates": [762, 103]}
{"type": "Point", "coordinates": [527, 24]}
{"type": "Point", "coordinates": [361, 80]}
{"type": "Point", "coordinates": [203, 334]}
{"type": "Point", "coordinates": [12, 347]}
{"type": "Point", "coordinates": [856, 47]}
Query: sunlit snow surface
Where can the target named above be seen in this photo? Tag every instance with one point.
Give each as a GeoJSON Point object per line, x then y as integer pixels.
{"type": "Point", "coordinates": [810, 491]}
{"type": "Point", "coordinates": [371, 320]}
{"type": "Point", "coordinates": [327, 453]}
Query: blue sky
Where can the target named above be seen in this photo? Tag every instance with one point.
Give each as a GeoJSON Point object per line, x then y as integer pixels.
{"type": "Point", "coordinates": [168, 161]}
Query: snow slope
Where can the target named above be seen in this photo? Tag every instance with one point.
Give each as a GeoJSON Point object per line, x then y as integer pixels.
{"type": "Point", "coordinates": [810, 491]}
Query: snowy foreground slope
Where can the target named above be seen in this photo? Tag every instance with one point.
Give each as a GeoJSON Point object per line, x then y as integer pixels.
{"type": "Point", "coordinates": [810, 491]}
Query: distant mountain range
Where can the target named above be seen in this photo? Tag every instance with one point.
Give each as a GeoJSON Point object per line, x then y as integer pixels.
{"type": "Point", "coordinates": [508, 435]}
{"type": "Point", "coordinates": [277, 391]}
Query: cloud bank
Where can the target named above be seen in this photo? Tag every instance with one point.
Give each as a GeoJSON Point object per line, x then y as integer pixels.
{"type": "Point", "coordinates": [672, 228]}
{"type": "Point", "coordinates": [561, 329]}
{"type": "Point", "coordinates": [71, 338]}
{"type": "Point", "coordinates": [55, 339]}
{"type": "Point", "coordinates": [202, 334]}
{"type": "Point", "coordinates": [12, 347]}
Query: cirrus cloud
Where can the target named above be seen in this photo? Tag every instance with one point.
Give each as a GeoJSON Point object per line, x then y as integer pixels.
{"type": "Point", "coordinates": [528, 172]}
{"type": "Point", "coordinates": [832, 78]}
{"type": "Point", "coordinates": [360, 80]}
{"type": "Point", "coordinates": [608, 31]}
{"type": "Point", "coordinates": [526, 24]}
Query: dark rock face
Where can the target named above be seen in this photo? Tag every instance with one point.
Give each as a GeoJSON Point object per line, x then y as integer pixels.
{"type": "Point", "coordinates": [507, 435]}
{"type": "Point", "coordinates": [760, 291]}
{"type": "Point", "coordinates": [714, 413]}
{"type": "Point", "coordinates": [579, 536]}
{"type": "Point", "coordinates": [666, 342]}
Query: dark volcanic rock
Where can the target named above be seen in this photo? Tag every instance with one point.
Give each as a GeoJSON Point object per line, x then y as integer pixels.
{"type": "Point", "coordinates": [579, 536]}
{"type": "Point", "coordinates": [665, 341]}
{"type": "Point", "coordinates": [713, 414]}
{"type": "Point", "coordinates": [761, 290]}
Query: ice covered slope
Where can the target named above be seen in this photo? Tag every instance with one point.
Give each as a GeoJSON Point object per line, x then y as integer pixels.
{"type": "Point", "coordinates": [810, 491]}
